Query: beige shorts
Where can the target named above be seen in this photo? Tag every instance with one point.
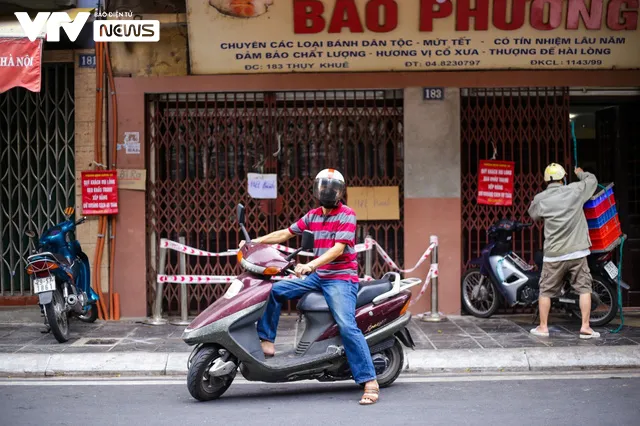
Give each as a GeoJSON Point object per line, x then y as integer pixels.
{"type": "Point", "coordinates": [553, 274]}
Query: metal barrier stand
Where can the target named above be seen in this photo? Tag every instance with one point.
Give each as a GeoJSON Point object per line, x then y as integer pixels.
{"type": "Point", "coordinates": [156, 318]}
{"type": "Point", "coordinates": [434, 315]}
{"type": "Point", "coordinates": [184, 297]}
{"type": "Point", "coordinates": [368, 259]}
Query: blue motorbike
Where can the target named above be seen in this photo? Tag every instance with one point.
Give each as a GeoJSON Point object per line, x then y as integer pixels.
{"type": "Point", "coordinates": [61, 277]}
{"type": "Point", "coordinates": [501, 277]}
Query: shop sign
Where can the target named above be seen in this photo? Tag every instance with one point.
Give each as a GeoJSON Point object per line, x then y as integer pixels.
{"type": "Point", "coordinates": [495, 182]}
{"type": "Point", "coordinates": [284, 36]}
{"type": "Point", "coordinates": [374, 202]}
{"type": "Point", "coordinates": [20, 63]}
{"type": "Point", "coordinates": [99, 192]}
{"type": "Point", "coordinates": [133, 179]}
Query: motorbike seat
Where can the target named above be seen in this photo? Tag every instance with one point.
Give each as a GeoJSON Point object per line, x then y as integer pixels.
{"type": "Point", "coordinates": [367, 291]}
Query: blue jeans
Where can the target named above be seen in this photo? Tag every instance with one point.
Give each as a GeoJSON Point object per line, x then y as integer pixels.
{"type": "Point", "coordinates": [341, 298]}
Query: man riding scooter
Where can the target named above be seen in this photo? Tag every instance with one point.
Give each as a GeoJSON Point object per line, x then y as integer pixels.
{"type": "Point", "coordinates": [566, 244]}
{"type": "Point", "coordinates": [333, 272]}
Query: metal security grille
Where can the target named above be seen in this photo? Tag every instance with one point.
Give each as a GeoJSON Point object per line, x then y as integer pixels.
{"type": "Point", "coordinates": [530, 127]}
{"type": "Point", "coordinates": [202, 146]}
{"type": "Point", "coordinates": [37, 168]}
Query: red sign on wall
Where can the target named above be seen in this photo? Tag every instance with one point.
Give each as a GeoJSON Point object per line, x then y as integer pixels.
{"type": "Point", "coordinates": [20, 61]}
{"type": "Point", "coordinates": [495, 182]}
{"type": "Point", "coordinates": [100, 192]}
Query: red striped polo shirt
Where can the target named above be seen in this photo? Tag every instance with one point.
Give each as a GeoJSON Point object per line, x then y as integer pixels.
{"type": "Point", "coordinates": [339, 226]}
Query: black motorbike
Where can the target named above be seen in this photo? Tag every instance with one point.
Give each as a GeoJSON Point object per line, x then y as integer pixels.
{"type": "Point", "coordinates": [501, 276]}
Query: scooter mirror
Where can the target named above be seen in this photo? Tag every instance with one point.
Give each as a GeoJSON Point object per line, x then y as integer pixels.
{"type": "Point", "coordinates": [307, 240]}
{"type": "Point", "coordinates": [240, 214]}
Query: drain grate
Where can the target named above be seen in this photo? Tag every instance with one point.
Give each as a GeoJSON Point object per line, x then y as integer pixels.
{"type": "Point", "coordinates": [108, 342]}
{"type": "Point", "coordinates": [97, 341]}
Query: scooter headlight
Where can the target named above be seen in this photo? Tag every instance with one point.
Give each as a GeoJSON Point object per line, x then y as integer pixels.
{"type": "Point", "coordinates": [251, 267]}
{"type": "Point", "coordinates": [234, 289]}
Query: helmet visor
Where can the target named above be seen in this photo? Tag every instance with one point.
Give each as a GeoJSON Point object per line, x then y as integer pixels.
{"type": "Point", "coordinates": [328, 191]}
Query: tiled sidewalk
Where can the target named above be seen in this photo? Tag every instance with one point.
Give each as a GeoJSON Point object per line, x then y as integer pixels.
{"type": "Point", "coordinates": [20, 332]}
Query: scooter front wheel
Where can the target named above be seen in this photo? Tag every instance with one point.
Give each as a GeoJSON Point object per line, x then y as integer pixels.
{"type": "Point", "coordinates": [479, 295]}
{"type": "Point", "coordinates": [201, 385]}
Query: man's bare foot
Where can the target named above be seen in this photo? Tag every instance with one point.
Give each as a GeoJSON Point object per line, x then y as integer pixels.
{"type": "Point", "coordinates": [371, 393]}
{"type": "Point", "coordinates": [268, 348]}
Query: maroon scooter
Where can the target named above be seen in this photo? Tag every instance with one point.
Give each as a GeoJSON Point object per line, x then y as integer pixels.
{"type": "Point", "coordinates": [226, 338]}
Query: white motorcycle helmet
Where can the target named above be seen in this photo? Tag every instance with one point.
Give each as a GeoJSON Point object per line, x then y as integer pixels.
{"type": "Point", "coordinates": [554, 173]}
{"type": "Point", "coordinates": [329, 188]}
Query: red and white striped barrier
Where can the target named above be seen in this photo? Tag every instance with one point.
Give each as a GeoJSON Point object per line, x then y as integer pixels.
{"type": "Point", "coordinates": [185, 250]}
{"type": "Point", "coordinates": [369, 244]}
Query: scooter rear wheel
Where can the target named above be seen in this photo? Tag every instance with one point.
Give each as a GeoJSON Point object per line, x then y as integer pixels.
{"type": "Point", "coordinates": [607, 309]}
{"type": "Point", "coordinates": [57, 317]}
{"type": "Point", "coordinates": [394, 358]}
{"type": "Point", "coordinates": [201, 386]}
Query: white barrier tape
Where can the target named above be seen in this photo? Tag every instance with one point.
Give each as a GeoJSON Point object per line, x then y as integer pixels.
{"type": "Point", "coordinates": [391, 263]}
{"type": "Point", "coordinates": [433, 272]}
{"type": "Point", "coordinates": [218, 279]}
{"type": "Point", "coordinates": [367, 245]}
{"type": "Point", "coordinates": [172, 245]}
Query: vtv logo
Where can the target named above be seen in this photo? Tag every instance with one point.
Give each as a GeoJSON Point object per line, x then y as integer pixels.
{"type": "Point", "coordinates": [53, 21]}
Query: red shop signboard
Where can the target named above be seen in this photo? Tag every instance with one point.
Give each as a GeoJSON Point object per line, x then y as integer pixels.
{"type": "Point", "coordinates": [495, 182]}
{"type": "Point", "coordinates": [100, 192]}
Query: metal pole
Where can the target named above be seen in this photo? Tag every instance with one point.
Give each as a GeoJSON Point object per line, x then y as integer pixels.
{"type": "Point", "coordinates": [434, 315]}
{"type": "Point", "coordinates": [368, 258]}
{"type": "Point", "coordinates": [184, 308]}
{"type": "Point", "coordinates": [157, 319]}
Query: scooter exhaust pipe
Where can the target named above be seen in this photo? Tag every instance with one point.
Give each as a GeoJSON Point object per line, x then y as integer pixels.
{"type": "Point", "coordinates": [74, 303]}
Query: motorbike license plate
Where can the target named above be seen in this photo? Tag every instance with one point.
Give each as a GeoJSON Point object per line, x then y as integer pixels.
{"type": "Point", "coordinates": [40, 285]}
{"type": "Point", "coordinates": [612, 270]}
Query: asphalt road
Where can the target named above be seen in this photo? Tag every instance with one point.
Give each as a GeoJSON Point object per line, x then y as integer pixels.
{"type": "Point", "coordinates": [587, 399]}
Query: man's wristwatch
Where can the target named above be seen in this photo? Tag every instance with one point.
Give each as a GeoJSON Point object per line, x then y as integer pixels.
{"type": "Point", "coordinates": [313, 267]}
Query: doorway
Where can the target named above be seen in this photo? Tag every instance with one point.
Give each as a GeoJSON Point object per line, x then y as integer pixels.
{"type": "Point", "coordinates": [608, 145]}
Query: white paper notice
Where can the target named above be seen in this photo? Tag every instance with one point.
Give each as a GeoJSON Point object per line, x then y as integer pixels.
{"type": "Point", "coordinates": [132, 142]}
{"type": "Point", "coordinates": [263, 186]}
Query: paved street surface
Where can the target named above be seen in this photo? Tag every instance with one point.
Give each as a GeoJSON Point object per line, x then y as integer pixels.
{"type": "Point", "coordinates": [586, 399]}
{"type": "Point", "coordinates": [20, 332]}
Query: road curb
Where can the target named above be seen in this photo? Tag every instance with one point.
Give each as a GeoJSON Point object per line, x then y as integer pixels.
{"type": "Point", "coordinates": [419, 361]}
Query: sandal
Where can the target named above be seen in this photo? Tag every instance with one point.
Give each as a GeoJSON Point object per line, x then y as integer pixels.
{"type": "Point", "coordinates": [538, 333]}
{"type": "Point", "coordinates": [371, 395]}
{"type": "Point", "coordinates": [592, 335]}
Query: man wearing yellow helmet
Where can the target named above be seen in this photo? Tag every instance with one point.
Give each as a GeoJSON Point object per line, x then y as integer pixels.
{"type": "Point", "coordinates": [566, 244]}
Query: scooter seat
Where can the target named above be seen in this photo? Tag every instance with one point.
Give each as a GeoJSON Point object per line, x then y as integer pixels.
{"type": "Point", "coordinates": [367, 291]}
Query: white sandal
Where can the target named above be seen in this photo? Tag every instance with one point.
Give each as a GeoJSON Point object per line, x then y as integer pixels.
{"type": "Point", "coordinates": [592, 335]}
{"type": "Point", "coordinates": [535, 332]}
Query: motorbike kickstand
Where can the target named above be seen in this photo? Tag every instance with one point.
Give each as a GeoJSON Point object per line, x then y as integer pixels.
{"type": "Point", "coordinates": [536, 315]}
